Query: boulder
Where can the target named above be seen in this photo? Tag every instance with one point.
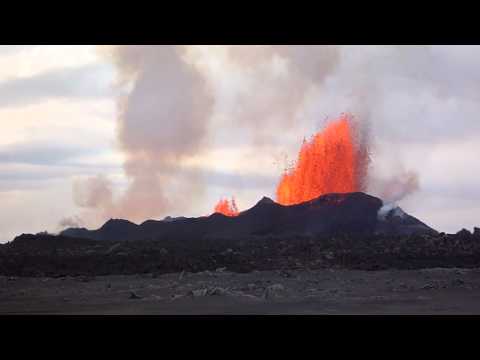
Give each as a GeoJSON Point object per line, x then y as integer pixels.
{"type": "Point", "coordinates": [273, 291]}
{"type": "Point", "coordinates": [198, 293]}
{"type": "Point", "coordinates": [133, 296]}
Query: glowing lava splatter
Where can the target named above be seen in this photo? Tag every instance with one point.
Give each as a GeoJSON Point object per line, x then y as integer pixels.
{"type": "Point", "coordinates": [226, 207]}
{"type": "Point", "coordinates": [333, 161]}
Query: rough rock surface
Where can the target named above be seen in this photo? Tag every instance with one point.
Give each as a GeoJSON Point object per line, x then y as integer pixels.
{"type": "Point", "coordinates": [433, 291]}
{"type": "Point", "coordinates": [44, 255]}
{"type": "Point", "coordinates": [332, 231]}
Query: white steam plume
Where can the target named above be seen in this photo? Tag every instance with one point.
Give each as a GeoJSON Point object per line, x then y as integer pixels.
{"type": "Point", "coordinates": [396, 188]}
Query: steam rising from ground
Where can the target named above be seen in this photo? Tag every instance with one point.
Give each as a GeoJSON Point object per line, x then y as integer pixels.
{"type": "Point", "coordinates": [74, 221]}
{"type": "Point", "coordinates": [395, 189]}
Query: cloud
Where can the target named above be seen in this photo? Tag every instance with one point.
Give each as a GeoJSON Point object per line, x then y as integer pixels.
{"type": "Point", "coordinates": [9, 49]}
{"type": "Point", "coordinates": [34, 210]}
{"type": "Point", "coordinates": [44, 176]}
{"type": "Point", "coordinates": [43, 153]}
{"type": "Point", "coordinates": [37, 164]}
{"type": "Point", "coordinates": [88, 81]}
{"type": "Point", "coordinates": [411, 94]}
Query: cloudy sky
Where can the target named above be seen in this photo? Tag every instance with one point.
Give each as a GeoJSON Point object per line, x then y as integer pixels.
{"type": "Point", "coordinates": [91, 132]}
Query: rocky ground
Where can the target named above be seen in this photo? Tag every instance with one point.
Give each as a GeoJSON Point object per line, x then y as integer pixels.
{"type": "Point", "coordinates": [57, 256]}
{"type": "Point", "coordinates": [323, 291]}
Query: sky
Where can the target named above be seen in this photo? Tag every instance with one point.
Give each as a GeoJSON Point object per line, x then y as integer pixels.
{"type": "Point", "coordinates": [94, 132]}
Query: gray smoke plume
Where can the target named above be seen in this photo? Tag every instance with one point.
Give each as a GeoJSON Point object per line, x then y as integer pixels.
{"type": "Point", "coordinates": [162, 120]}
{"type": "Point", "coordinates": [277, 81]}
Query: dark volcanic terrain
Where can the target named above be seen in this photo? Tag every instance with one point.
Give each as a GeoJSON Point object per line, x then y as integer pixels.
{"type": "Point", "coordinates": [312, 258]}
{"type": "Point", "coordinates": [329, 215]}
{"type": "Point", "coordinates": [333, 231]}
{"type": "Point", "coordinates": [429, 291]}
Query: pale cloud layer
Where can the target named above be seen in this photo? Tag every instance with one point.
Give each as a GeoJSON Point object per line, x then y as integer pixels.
{"type": "Point", "coordinates": [88, 81]}
{"type": "Point", "coordinates": [57, 118]}
{"type": "Point", "coordinates": [30, 60]}
{"type": "Point", "coordinates": [241, 113]}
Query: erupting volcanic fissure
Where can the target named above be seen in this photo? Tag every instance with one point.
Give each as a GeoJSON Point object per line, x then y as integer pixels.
{"type": "Point", "coordinates": [226, 207]}
{"type": "Point", "coordinates": [333, 161]}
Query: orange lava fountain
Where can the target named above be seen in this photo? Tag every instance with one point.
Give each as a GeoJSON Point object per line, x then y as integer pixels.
{"type": "Point", "coordinates": [226, 207]}
{"type": "Point", "coordinates": [331, 162]}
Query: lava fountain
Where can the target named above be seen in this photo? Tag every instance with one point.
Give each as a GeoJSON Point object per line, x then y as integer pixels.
{"type": "Point", "coordinates": [226, 207]}
{"type": "Point", "coordinates": [335, 160]}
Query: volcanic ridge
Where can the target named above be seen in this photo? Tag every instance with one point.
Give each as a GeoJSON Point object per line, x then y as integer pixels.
{"type": "Point", "coordinates": [328, 215]}
{"type": "Point", "coordinates": [331, 231]}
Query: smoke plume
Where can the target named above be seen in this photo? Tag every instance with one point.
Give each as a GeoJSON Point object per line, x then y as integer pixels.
{"type": "Point", "coordinates": [274, 86]}
{"type": "Point", "coordinates": [162, 120]}
{"type": "Point", "coordinates": [95, 192]}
